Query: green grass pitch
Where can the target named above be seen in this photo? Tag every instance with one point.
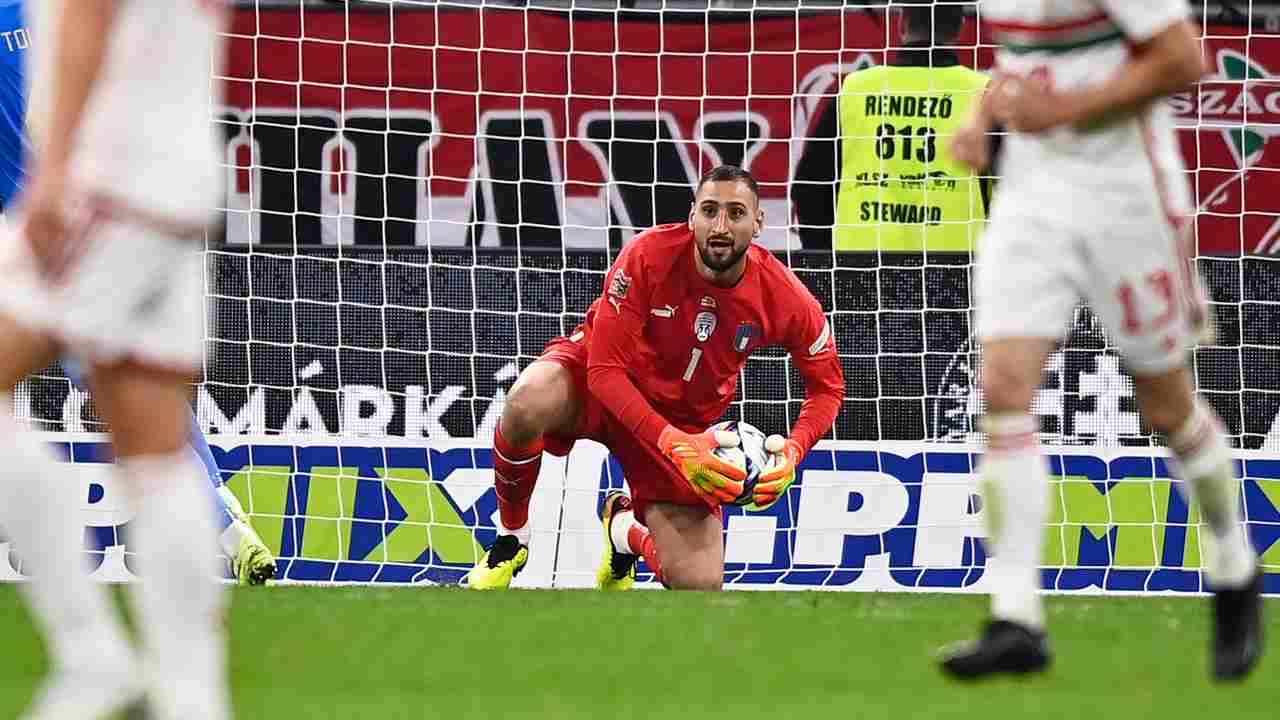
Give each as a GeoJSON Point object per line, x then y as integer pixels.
{"type": "Point", "coordinates": [386, 653]}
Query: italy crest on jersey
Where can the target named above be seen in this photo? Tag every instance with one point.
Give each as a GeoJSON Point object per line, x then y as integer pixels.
{"type": "Point", "coordinates": [704, 325]}
{"type": "Point", "coordinates": [742, 339]}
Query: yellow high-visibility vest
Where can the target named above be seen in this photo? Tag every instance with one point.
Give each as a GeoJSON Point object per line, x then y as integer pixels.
{"type": "Point", "coordinates": [900, 189]}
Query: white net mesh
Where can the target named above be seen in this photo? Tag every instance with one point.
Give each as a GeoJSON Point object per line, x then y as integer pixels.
{"type": "Point", "coordinates": [419, 196]}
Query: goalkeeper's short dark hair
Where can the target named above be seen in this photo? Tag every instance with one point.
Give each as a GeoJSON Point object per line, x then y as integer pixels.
{"type": "Point", "coordinates": [936, 22]}
{"type": "Point", "coordinates": [722, 173]}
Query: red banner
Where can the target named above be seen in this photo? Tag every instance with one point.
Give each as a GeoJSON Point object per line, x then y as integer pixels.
{"type": "Point", "coordinates": [498, 127]}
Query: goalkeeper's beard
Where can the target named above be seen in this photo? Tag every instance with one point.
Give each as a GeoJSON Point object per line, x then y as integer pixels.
{"type": "Point", "coordinates": [704, 251]}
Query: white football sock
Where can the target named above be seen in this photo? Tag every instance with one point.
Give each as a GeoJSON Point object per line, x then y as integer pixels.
{"type": "Point", "coordinates": [235, 530]}
{"type": "Point", "coordinates": [618, 530]}
{"type": "Point", "coordinates": [523, 534]}
{"type": "Point", "coordinates": [40, 508]}
{"type": "Point", "coordinates": [1016, 487]}
{"type": "Point", "coordinates": [1205, 464]}
{"type": "Point", "coordinates": [179, 603]}
{"type": "Point", "coordinates": [229, 539]}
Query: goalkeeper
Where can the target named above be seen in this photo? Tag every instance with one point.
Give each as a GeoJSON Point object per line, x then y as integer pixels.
{"type": "Point", "coordinates": [653, 365]}
{"type": "Point", "coordinates": [900, 189]}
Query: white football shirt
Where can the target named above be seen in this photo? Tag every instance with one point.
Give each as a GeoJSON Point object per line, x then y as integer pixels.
{"type": "Point", "coordinates": [1079, 43]}
{"type": "Point", "coordinates": [146, 137]}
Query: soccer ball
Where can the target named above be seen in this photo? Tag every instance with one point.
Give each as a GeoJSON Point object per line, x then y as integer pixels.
{"type": "Point", "coordinates": [749, 453]}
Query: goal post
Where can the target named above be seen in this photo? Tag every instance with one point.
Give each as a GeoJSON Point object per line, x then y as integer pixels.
{"type": "Point", "coordinates": [420, 196]}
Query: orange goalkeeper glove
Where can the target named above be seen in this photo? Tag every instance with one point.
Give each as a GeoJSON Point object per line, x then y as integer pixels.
{"type": "Point", "coordinates": [710, 476]}
{"type": "Point", "coordinates": [773, 483]}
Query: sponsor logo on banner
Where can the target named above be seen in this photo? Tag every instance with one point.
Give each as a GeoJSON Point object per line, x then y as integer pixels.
{"type": "Point", "coordinates": [427, 164]}
{"type": "Point", "coordinates": [1237, 113]}
{"type": "Point", "coordinates": [861, 516]}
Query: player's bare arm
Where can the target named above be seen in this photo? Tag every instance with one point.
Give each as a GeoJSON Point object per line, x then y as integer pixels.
{"type": "Point", "coordinates": [80, 48]}
{"type": "Point", "coordinates": [1167, 63]}
{"type": "Point", "coordinates": [971, 144]}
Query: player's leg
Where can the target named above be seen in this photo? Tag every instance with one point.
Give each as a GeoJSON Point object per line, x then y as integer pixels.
{"type": "Point", "coordinates": [1014, 476]}
{"type": "Point", "coordinates": [251, 559]}
{"type": "Point", "coordinates": [682, 544]}
{"type": "Point", "coordinates": [228, 506]}
{"type": "Point", "coordinates": [1015, 484]}
{"type": "Point", "coordinates": [178, 601]}
{"type": "Point", "coordinates": [679, 535]}
{"type": "Point", "coordinates": [94, 671]}
{"type": "Point", "coordinates": [545, 399]}
{"type": "Point", "coordinates": [138, 298]}
{"type": "Point", "coordinates": [1152, 304]}
{"type": "Point", "coordinates": [1195, 436]}
{"type": "Point", "coordinates": [1025, 292]}
{"type": "Point", "coordinates": [617, 569]}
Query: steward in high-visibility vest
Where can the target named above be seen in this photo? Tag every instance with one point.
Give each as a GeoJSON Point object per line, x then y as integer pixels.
{"type": "Point", "coordinates": [900, 189]}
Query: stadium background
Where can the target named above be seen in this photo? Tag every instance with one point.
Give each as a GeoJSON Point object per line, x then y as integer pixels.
{"type": "Point", "coordinates": [420, 196]}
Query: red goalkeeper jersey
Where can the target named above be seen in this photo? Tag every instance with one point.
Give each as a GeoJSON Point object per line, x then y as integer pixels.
{"type": "Point", "coordinates": [666, 346]}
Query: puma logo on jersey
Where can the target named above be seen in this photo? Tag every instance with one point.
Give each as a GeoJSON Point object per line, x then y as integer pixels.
{"type": "Point", "coordinates": [665, 311]}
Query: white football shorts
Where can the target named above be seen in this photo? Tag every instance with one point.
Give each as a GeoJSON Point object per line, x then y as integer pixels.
{"type": "Point", "coordinates": [1130, 267]}
{"type": "Point", "coordinates": [134, 291]}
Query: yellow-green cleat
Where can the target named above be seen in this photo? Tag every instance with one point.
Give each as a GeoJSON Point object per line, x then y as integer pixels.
{"type": "Point", "coordinates": [251, 559]}
{"type": "Point", "coordinates": [617, 569]}
{"type": "Point", "coordinates": [253, 563]}
{"type": "Point", "coordinates": [504, 560]}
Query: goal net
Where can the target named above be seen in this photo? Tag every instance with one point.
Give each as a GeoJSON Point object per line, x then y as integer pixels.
{"type": "Point", "coordinates": [420, 195]}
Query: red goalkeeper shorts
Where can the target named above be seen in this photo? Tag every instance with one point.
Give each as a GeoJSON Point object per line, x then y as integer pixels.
{"type": "Point", "coordinates": [652, 477]}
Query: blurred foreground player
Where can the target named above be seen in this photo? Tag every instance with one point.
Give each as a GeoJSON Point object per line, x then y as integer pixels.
{"type": "Point", "coordinates": [1080, 84]}
{"type": "Point", "coordinates": [654, 364]}
{"type": "Point", "coordinates": [251, 559]}
{"type": "Point", "coordinates": [105, 268]}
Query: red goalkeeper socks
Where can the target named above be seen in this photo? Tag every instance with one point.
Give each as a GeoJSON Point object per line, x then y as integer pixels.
{"type": "Point", "coordinates": [641, 542]}
{"type": "Point", "coordinates": [515, 471]}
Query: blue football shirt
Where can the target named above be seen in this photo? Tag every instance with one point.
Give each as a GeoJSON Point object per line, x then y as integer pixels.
{"type": "Point", "coordinates": [14, 42]}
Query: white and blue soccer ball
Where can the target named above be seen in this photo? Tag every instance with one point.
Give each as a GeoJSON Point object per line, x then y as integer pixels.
{"type": "Point", "coordinates": [749, 453]}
